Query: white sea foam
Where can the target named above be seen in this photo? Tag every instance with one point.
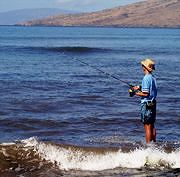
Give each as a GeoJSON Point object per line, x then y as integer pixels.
{"type": "Point", "coordinates": [78, 158]}
{"type": "Point", "coordinates": [7, 144]}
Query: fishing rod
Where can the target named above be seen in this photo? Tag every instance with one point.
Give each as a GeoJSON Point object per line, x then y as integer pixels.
{"type": "Point", "coordinates": [106, 73]}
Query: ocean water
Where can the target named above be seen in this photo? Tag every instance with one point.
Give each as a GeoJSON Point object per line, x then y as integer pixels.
{"type": "Point", "coordinates": [60, 117]}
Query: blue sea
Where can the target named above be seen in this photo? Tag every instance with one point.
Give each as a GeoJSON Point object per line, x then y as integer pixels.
{"type": "Point", "coordinates": [62, 117]}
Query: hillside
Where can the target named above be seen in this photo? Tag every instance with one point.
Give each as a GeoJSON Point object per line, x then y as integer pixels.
{"type": "Point", "coordinates": [17, 16]}
{"type": "Point", "coordinates": [150, 13]}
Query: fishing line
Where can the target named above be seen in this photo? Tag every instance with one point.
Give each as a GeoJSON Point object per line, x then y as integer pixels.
{"type": "Point", "coordinates": [104, 72]}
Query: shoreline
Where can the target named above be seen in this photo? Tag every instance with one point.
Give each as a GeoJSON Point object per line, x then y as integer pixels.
{"type": "Point", "coordinates": [92, 26]}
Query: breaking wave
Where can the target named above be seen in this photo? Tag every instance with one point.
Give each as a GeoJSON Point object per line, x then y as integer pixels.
{"type": "Point", "coordinates": [84, 50]}
{"type": "Point", "coordinates": [64, 49]}
{"type": "Point", "coordinates": [67, 157]}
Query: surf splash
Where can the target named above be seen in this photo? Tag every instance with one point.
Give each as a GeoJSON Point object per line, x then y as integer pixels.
{"type": "Point", "coordinates": [97, 159]}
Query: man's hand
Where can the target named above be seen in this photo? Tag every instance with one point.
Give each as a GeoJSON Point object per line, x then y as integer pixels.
{"type": "Point", "coordinates": [136, 88]}
{"type": "Point", "coordinates": [133, 90]}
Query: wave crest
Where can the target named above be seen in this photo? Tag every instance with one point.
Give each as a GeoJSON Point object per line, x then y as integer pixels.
{"type": "Point", "coordinates": [31, 154]}
{"type": "Point", "coordinates": [62, 49]}
{"type": "Point", "coordinates": [94, 159]}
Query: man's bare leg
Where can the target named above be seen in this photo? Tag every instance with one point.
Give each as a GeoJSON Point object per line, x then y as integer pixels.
{"type": "Point", "coordinates": [150, 132]}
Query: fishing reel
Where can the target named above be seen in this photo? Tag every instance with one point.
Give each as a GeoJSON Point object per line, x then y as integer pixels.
{"type": "Point", "coordinates": [132, 90]}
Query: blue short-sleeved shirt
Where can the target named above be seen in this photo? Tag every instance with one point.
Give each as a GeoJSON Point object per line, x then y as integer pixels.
{"type": "Point", "coordinates": [149, 86]}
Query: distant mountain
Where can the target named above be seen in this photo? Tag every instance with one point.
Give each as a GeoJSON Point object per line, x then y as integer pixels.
{"type": "Point", "coordinates": [17, 16]}
{"type": "Point", "coordinates": [150, 13]}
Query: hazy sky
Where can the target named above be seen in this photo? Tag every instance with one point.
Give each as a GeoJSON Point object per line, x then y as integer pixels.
{"type": "Point", "coordinates": [75, 5]}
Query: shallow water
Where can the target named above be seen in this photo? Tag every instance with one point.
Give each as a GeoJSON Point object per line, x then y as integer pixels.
{"type": "Point", "coordinates": [56, 101]}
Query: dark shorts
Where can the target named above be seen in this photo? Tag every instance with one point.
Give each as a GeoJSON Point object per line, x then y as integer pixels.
{"type": "Point", "coordinates": [148, 112]}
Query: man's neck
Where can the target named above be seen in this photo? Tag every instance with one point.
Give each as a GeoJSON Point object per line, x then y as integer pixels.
{"type": "Point", "coordinates": [146, 72]}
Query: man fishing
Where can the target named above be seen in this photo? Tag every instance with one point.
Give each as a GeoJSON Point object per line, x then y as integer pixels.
{"type": "Point", "coordinates": [148, 93]}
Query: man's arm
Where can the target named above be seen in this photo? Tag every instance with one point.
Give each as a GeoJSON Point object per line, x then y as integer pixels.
{"type": "Point", "coordinates": [141, 94]}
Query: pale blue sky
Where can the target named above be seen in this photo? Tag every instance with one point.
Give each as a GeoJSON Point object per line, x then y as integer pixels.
{"type": "Point", "coordinates": [75, 5]}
